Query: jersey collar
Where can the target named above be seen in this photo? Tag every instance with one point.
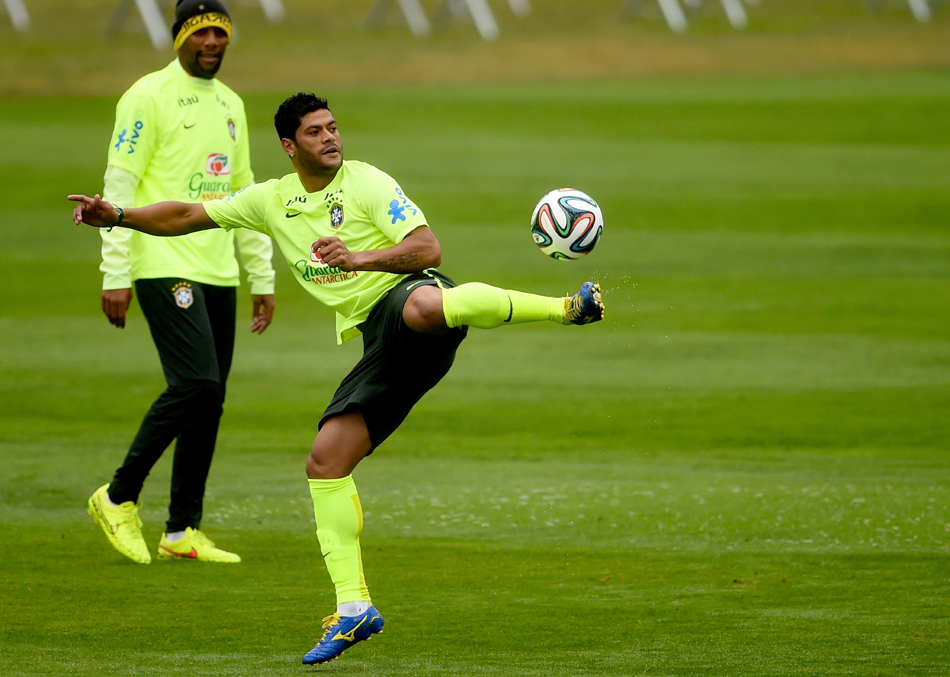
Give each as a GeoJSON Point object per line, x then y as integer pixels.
{"type": "Point", "coordinates": [197, 82]}
{"type": "Point", "coordinates": [294, 196]}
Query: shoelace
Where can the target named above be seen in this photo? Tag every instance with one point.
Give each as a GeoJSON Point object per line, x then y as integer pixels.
{"type": "Point", "coordinates": [329, 622]}
{"type": "Point", "coordinates": [577, 307]}
{"type": "Point", "coordinates": [576, 310]}
{"type": "Point", "coordinates": [135, 514]}
{"type": "Point", "coordinates": [132, 519]}
{"type": "Point", "coordinates": [201, 538]}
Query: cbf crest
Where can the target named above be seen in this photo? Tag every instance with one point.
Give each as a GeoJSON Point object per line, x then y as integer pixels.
{"type": "Point", "coordinates": [232, 129]}
{"type": "Point", "coordinates": [336, 215]}
{"type": "Point", "coordinates": [183, 294]}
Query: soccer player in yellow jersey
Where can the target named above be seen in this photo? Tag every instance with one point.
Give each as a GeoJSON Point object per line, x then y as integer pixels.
{"type": "Point", "coordinates": [180, 134]}
{"type": "Point", "coordinates": [357, 243]}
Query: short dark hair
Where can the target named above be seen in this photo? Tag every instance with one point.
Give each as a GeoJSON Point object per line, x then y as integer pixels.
{"type": "Point", "coordinates": [291, 111]}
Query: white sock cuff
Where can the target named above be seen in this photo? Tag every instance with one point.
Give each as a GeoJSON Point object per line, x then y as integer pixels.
{"type": "Point", "coordinates": [353, 608]}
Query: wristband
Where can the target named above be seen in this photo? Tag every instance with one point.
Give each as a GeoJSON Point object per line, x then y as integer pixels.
{"type": "Point", "coordinates": [121, 216]}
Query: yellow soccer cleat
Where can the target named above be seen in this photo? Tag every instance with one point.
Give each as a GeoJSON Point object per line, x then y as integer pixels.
{"type": "Point", "coordinates": [194, 545]}
{"type": "Point", "coordinates": [121, 525]}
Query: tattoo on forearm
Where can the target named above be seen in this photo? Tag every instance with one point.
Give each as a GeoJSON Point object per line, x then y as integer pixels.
{"type": "Point", "coordinates": [399, 262]}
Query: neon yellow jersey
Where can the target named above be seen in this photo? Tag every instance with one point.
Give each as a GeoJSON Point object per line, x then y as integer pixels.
{"type": "Point", "coordinates": [186, 139]}
{"type": "Point", "coordinates": [363, 206]}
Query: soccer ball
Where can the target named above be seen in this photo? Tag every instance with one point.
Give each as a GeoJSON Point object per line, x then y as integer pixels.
{"type": "Point", "coordinates": [567, 224]}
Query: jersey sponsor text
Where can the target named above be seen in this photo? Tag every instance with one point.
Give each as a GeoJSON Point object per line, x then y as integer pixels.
{"type": "Point", "coordinates": [199, 189]}
{"type": "Point", "coordinates": [323, 274]}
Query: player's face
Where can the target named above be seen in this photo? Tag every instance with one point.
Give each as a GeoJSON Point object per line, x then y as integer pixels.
{"type": "Point", "coordinates": [203, 51]}
{"type": "Point", "coordinates": [318, 143]}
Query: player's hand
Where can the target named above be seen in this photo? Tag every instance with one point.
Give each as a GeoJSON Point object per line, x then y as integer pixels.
{"type": "Point", "coordinates": [115, 304]}
{"type": "Point", "coordinates": [263, 312]}
{"type": "Point", "coordinates": [94, 211]}
{"type": "Point", "coordinates": [333, 252]}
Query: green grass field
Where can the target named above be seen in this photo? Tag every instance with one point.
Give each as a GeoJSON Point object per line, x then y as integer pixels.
{"type": "Point", "coordinates": [744, 471]}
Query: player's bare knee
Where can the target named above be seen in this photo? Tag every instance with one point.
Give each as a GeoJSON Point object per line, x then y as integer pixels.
{"type": "Point", "coordinates": [423, 311]}
{"type": "Point", "coordinates": [321, 467]}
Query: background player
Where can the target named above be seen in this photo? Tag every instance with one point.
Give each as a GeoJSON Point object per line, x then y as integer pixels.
{"type": "Point", "coordinates": [359, 245]}
{"type": "Point", "coordinates": [180, 134]}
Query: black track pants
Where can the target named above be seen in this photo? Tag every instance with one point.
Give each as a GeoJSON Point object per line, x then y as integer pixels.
{"type": "Point", "coordinates": [192, 325]}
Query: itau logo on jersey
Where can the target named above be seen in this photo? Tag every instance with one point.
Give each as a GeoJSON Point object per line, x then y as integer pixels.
{"type": "Point", "coordinates": [218, 165]}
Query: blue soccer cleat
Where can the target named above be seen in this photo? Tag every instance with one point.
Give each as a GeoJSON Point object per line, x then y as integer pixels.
{"type": "Point", "coordinates": [342, 632]}
{"type": "Point", "coordinates": [585, 306]}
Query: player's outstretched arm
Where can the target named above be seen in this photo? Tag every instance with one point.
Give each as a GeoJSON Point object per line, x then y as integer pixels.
{"type": "Point", "coordinates": [164, 219]}
{"type": "Point", "coordinates": [418, 250]}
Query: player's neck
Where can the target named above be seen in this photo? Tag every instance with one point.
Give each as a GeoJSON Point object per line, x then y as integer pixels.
{"type": "Point", "coordinates": [202, 77]}
{"type": "Point", "coordinates": [316, 182]}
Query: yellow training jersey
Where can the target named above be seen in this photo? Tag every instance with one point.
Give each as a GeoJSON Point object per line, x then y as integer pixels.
{"type": "Point", "coordinates": [185, 139]}
{"type": "Point", "coordinates": [363, 206]}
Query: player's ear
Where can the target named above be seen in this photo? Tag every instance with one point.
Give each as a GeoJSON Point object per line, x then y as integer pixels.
{"type": "Point", "coordinates": [289, 147]}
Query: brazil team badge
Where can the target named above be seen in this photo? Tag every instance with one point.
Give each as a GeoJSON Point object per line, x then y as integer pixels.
{"type": "Point", "coordinates": [336, 215]}
{"type": "Point", "coordinates": [184, 297]}
{"type": "Point", "coordinates": [232, 129]}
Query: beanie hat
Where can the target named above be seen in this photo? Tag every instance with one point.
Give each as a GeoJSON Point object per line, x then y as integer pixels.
{"type": "Point", "coordinates": [192, 16]}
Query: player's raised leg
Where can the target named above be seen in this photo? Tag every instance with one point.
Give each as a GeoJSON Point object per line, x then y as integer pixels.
{"type": "Point", "coordinates": [343, 441]}
{"type": "Point", "coordinates": [485, 307]}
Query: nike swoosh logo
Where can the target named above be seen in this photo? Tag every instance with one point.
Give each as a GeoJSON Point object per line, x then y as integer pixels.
{"type": "Point", "coordinates": [190, 126]}
{"type": "Point", "coordinates": [190, 555]}
{"type": "Point", "coordinates": [348, 636]}
{"type": "Point", "coordinates": [290, 216]}
{"type": "Point", "coordinates": [416, 284]}
{"type": "Point", "coordinates": [511, 310]}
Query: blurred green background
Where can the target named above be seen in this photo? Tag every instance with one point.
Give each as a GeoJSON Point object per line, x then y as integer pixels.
{"type": "Point", "coordinates": [324, 43]}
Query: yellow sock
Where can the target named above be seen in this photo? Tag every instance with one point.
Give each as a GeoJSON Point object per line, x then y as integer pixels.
{"type": "Point", "coordinates": [484, 307]}
{"type": "Point", "coordinates": [339, 516]}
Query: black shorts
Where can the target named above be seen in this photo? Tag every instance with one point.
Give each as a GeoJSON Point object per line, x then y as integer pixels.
{"type": "Point", "coordinates": [398, 366]}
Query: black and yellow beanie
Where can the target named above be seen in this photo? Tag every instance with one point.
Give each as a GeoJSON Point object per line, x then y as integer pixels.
{"type": "Point", "coordinates": [194, 15]}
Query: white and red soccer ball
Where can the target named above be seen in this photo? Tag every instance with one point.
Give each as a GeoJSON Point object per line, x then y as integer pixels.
{"type": "Point", "coordinates": [567, 224]}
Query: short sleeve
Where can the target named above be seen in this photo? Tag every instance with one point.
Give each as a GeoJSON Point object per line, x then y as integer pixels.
{"type": "Point", "coordinates": [135, 136]}
{"type": "Point", "coordinates": [246, 208]}
{"type": "Point", "coordinates": [388, 206]}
